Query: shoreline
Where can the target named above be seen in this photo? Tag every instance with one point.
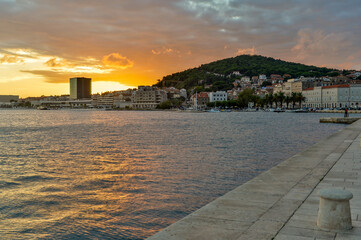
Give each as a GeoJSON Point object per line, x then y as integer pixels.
{"type": "Point", "coordinates": [194, 111]}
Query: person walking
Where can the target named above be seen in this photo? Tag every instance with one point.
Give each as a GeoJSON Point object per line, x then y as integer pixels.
{"type": "Point", "coordinates": [346, 112]}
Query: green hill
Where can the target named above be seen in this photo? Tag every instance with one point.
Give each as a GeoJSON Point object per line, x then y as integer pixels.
{"type": "Point", "coordinates": [219, 73]}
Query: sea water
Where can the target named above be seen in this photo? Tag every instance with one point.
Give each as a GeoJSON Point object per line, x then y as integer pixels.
{"type": "Point", "coordinates": [81, 174]}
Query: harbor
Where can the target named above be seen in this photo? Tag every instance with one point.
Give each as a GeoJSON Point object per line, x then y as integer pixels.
{"type": "Point", "coordinates": [282, 203]}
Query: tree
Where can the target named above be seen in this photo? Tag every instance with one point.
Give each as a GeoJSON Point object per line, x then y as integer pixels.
{"type": "Point", "coordinates": [165, 105]}
{"type": "Point", "coordinates": [269, 98]}
{"type": "Point", "coordinates": [255, 99]}
{"type": "Point", "coordinates": [293, 99]}
{"type": "Point", "coordinates": [266, 83]}
{"type": "Point", "coordinates": [27, 104]}
{"type": "Point", "coordinates": [245, 97]}
{"type": "Point", "coordinates": [300, 99]}
{"type": "Point", "coordinates": [279, 97]}
{"type": "Point", "coordinates": [261, 102]}
{"type": "Point", "coordinates": [288, 99]}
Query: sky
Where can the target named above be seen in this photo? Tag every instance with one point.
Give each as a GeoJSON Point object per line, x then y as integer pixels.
{"type": "Point", "coordinates": [126, 43]}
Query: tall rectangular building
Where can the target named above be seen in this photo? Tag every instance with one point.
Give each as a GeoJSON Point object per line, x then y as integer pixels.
{"type": "Point", "coordinates": [80, 88]}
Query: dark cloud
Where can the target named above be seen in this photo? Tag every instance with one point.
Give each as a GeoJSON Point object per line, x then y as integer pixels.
{"type": "Point", "coordinates": [51, 76]}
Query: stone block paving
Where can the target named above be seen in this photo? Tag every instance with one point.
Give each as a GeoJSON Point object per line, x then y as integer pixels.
{"type": "Point", "coordinates": [282, 203]}
{"type": "Point", "coordinates": [345, 174]}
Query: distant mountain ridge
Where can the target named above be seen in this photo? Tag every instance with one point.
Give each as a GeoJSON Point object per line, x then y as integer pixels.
{"type": "Point", "coordinates": [220, 72]}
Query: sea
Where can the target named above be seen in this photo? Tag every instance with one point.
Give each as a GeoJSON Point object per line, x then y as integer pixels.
{"type": "Point", "coordinates": [91, 174]}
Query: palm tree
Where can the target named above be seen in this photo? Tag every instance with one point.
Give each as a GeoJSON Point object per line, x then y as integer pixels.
{"type": "Point", "coordinates": [254, 99]}
{"type": "Point", "coordinates": [275, 99]}
{"type": "Point", "coordinates": [280, 97]}
{"type": "Point", "coordinates": [262, 101]}
{"type": "Point", "coordinates": [300, 98]}
{"type": "Point", "coordinates": [288, 99]}
{"type": "Point", "coordinates": [270, 99]}
{"type": "Point", "coordinates": [294, 99]}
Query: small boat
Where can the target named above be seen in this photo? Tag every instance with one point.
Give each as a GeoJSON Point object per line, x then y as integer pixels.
{"type": "Point", "coordinates": [213, 110]}
{"type": "Point", "coordinates": [42, 108]}
{"type": "Point", "coordinates": [278, 110]}
{"type": "Point", "coordinates": [301, 111]}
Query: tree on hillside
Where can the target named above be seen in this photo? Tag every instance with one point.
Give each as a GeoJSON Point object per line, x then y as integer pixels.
{"type": "Point", "coordinates": [221, 71]}
{"type": "Point", "coordinates": [266, 83]}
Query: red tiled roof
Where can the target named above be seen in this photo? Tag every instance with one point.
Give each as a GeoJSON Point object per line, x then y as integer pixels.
{"type": "Point", "coordinates": [308, 89]}
{"type": "Point", "coordinates": [202, 95]}
{"type": "Point", "coordinates": [337, 86]}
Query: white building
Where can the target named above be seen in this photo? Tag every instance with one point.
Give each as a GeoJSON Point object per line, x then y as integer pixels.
{"type": "Point", "coordinates": [246, 79]}
{"type": "Point", "coordinates": [217, 96]}
{"type": "Point", "coordinates": [183, 93]}
{"type": "Point", "coordinates": [334, 96]}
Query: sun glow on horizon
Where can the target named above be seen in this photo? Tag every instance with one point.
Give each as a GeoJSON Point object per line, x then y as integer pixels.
{"type": "Point", "coordinates": [104, 86]}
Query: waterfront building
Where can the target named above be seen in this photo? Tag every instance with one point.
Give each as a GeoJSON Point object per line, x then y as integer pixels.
{"type": "Point", "coordinates": [80, 88]}
{"type": "Point", "coordinates": [9, 98]}
{"type": "Point", "coordinates": [172, 93]}
{"type": "Point", "coordinates": [104, 100]}
{"type": "Point", "coordinates": [217, 96]}
{"type": "Point", "coordinates": [277, 88]}
{"type": "Point", "coordinates": [200, 100]}
{"type": "Point", "coordinates": [147, 97]}
{"type": "Point", "coordinates": [334, 96]}
{"type": "Point", "coordinates": [292, 86]}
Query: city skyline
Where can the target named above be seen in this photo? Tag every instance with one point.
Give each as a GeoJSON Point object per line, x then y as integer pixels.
{"type": "Point", "coordinates": [130, 43]}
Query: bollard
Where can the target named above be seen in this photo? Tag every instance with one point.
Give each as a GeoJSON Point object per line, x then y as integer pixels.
{"type": "Point", "coordinates": [334, 210]}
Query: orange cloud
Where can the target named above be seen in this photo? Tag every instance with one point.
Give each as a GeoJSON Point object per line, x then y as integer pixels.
{"type": "Point", "coordinates": [165, 50]}
{"type": "Point", "coordinates": [118, 61]}
{"type": "Point", "coordinates": [10, 59]}
{"type": "Point", "coordinates": [54, 62]}
{"type": "Point", "coordinates": [247, 51]}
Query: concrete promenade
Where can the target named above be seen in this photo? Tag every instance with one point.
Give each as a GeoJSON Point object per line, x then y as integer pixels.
{"type": "Point", "coordinates": [282, 203]}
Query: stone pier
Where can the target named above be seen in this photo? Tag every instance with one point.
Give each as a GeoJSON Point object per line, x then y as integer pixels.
{"type": "Point", "coordinates": [282, 203]}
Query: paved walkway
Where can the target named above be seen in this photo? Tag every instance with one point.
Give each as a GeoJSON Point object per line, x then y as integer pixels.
{"type": "Point", "coordinates": [282, 203]}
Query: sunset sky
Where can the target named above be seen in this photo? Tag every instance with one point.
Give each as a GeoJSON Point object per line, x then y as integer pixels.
{"type": "Point", "coordinates": [126, 43]}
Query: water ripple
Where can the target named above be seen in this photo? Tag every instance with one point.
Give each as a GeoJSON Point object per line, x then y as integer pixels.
{"type": "Point", "coordinates": [125, 175]}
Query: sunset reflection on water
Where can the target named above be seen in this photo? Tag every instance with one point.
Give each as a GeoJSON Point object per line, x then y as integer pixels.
{"type": "Point", "coordinates": [125, 175]}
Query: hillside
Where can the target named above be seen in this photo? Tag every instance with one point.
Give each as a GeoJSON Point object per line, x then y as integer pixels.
{"type": "Point", "coordinates": [218, 73]}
